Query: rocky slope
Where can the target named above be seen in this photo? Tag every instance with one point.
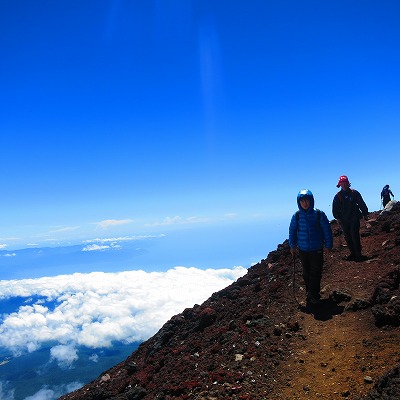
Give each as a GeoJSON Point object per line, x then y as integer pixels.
{"type": "Point", "coordinates": [256, 340]}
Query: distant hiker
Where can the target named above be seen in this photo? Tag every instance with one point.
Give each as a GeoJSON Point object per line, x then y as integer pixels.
{"type": "Point", "coordinates": [310, 231]}
{"type": "Point", "coordinates": [348, 208]}
{"type": "Point", "coordinates": [385, 195]}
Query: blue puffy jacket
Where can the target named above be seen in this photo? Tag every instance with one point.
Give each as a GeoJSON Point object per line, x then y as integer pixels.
{"type": "Point", "coordinates": [308, 231]}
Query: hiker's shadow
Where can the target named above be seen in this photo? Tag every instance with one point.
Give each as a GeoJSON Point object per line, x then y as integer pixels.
{"type": "Point", "coordinates": [324, 310]}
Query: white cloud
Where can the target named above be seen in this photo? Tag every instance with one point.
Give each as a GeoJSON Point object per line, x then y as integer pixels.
{"type": "Point", "coordinates": [3, 246]}
{"type": "Point", "coordinates": [94, 247]}
{"type": "Point", "coordinates": [53, 393]}
{"type": "Point", "coordinates": [123, 239]}
{"type": "Point", "coordinates": [64, 355]}
{"type": "Point", "coordinates": [98, 308]}
{"type": "Point", "coordinates": [6, 394]}
{"type": "Point", "coordinates": [42, 394]}
{"type": "Point", "coordinates": [107, 223]}
{"type": "Point", "coordinates": [53, 241]}
{"type": "Point", "coordinates": [177, 220]}
{"type": "Point", "coordinates": [230, 216]}
{"type": "Point", "coordinates": [65, 229]}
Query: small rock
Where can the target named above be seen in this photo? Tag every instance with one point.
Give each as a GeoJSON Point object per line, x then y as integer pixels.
{"type": "Point", "coordinates": [131, 367]}
{"type": "Point", "coordinates": [277, 331]}
{"type": "Point", "coordinates": [232, 325]}
{"type": "Point", "coordinates": [207, 317]}
{"type": "Point", "coordinates": [293, 326]}
{"type": "Point", "coordinates": [339, 295]}
{"type": "Point", "coordinates": [368, 379]}
{"type": "Point", "coordinates": [358, 304]}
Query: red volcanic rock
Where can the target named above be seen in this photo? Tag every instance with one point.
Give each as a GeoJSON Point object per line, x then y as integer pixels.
{"type": "Point", "coordinates": [254, 340]}
{"type": "Point", "coordinates": [207, 317]}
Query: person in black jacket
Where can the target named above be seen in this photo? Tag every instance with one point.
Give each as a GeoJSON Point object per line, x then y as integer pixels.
{"type": "Point", "coordinates": [348, 208]}
{"type": "Point", "coordinates": [385, 195]}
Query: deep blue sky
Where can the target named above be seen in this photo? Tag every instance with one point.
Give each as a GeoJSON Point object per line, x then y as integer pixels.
{"type": "Point", "coordinates": [128, 117]}
{"type": "Point", "coordinates": [190, 124]}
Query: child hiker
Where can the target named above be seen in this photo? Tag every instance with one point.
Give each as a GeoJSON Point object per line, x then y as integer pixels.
{"type": "Point", "coordinates": [310, 232]}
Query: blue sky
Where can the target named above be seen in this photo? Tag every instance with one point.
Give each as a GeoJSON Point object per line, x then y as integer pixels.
{"type": "Point", "coordinates": [174, 136]}
{"type": "Point", "coordinates": [134, 117]}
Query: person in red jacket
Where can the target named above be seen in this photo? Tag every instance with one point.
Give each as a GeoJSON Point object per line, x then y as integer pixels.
{"type": "Point", "coordinates": [348, 208]}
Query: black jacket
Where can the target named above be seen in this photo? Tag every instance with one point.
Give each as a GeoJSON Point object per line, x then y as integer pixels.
{"type": "Point", "coordinates": [349, 205]}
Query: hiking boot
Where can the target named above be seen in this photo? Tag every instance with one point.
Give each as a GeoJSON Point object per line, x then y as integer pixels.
{"type": "Point", "coordinates": [361, 258]}
{"type": "Point", "coordinates": [313, 300]}
{"type": "Point", "coordinates": [351, 257]}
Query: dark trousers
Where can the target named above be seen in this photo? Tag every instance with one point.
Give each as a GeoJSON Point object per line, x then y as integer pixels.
{"type": "Point", "coordinates": [312, 262]}
{"type": "Point", "coordinates": [351, 231]}
{"type": "Point", "coordinates": [385, 200]}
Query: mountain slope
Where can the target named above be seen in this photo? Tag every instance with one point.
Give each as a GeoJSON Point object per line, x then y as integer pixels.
{"type": "Point", "coordinates": [252, 340]}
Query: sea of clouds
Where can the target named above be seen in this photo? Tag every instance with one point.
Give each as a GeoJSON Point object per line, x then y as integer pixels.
{"type": "Point", "coordinates": [96, 309]}
{"type": "Point", "coordinates": [55, 318]}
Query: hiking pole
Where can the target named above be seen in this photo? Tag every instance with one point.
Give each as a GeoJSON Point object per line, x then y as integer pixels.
{"type": "Point", "coordinates": [294, 281]}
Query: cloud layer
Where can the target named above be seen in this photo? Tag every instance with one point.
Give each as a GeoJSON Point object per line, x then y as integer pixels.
{"type": "Point", "coordinates": [98, 308]}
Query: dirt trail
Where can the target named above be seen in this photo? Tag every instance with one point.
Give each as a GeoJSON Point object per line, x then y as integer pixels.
{"type": "Point", "coordinates": [343, 356]}
{"type": "Point", "coordinates": [339, 358]}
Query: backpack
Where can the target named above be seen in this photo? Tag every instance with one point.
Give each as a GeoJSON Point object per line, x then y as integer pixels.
{"type": "Point", "coordinates": [385, 191]}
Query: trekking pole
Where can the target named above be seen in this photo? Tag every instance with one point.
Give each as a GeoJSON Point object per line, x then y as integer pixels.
{"type": "Point", "coordinates": [294, 281]}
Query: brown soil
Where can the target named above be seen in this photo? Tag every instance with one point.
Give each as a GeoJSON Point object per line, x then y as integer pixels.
{"type": "Point", "coordinates": [252, 340]}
